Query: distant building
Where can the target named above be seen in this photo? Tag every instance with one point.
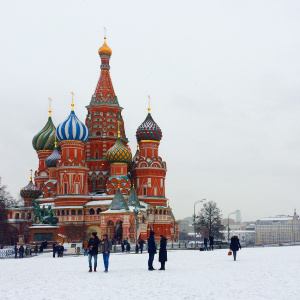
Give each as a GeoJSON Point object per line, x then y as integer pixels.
{"type": "Point", "coordinates": [278, 229]}
{"type": "Point", "coordinates": [246, 237]}
{"type": "Point", "coordinates": [238, 216]}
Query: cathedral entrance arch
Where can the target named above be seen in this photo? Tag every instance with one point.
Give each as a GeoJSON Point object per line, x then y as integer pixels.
{"type": "Point", "coordinates": [119, 231]}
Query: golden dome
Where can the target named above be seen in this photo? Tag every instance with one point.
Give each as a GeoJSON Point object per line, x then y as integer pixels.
{"type": "Point", "coordinates": [105, 50]}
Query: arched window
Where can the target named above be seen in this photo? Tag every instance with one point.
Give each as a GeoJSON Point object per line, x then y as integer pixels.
{"type": "Point", "coordinates": [160, 212]}
{"type": "Point", "coordinates": [94, 184]}
{"type": "Point", "coordinates": [98, 133]}
{"type": "Point", "coordinates": [62, 212]}
{"type": "Point", "coordinates": [17, 216]}
{"type": "Point", "coordinates": [156, 211]}
{"type": "Point", "coordinates": [79, 212]}
{"type": "Point", "coordinates": [67, 211]}
{"type": "Point", "coordinates": [58, 212]}
{"type": "Point", "coordinates": [110, 223]}
{"type": "Point", "coordinates": [164, 212]}
{"type": "Point", "coordinates": [92, 211]}
{"type": "Point", "coordinates": [73, 212]}
{"type": "Point", "coordinates": [96, 155]}
{"type": "Point", "coordinates": [101, 181]}
{"type": "Point", "coordinates": [98, 211]}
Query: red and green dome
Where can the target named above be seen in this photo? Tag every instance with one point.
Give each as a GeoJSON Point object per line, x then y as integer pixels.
{"type": "Point", "coordinates": [119, 153]}
{"type": "Point", "coordinates": [148, 130]}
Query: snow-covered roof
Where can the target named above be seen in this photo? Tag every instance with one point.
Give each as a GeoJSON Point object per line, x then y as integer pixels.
{"type": "Point", "coordinates": [277, 218]}
{"type": "Point", "coordinates": [98, 202]}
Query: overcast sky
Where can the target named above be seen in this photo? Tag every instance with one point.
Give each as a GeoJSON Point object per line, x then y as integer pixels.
{"type": "Point", "coordinates": [223, 77]}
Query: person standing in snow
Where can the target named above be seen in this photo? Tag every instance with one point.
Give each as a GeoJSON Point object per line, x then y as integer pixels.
{"type": "Point", "coordinates": [122, 246]}
{"type": "Point", "coordinates": [205, 244]}
{"type": "Point", "coordinates": [93, 250]}
{"type": "Point", "coordinates": [211, 242]}
{"type": "Point", "coordinates": [128, 247]}
{"type": "Point", "coordinates": [21, 251]}
{"type": "Point", "coordinates": [106, 248]}
{"type": "Point", "coordinates": [36, 250]}
{"type": "Point", "coordinates": [141, 243]}
{"type": "Point", "coordinates": [85, 246]}
{"type": "Point", "coordinates": [162, 252]}
{"type": "Point", "coordinates": [54, 249]}
{"type": "Point", "coordinates": [151, 250]}
{"type": "Point", "coordinates": [16, 251]}
{"type": "Point", "coordinates": [235, 245]}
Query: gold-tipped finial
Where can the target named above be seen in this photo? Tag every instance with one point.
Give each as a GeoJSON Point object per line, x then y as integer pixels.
{"type": "Point", "coordinates": [149, 108]}
{"type": "Point", "coordinates": [133, 184]}
{"type": "Point", "coordinates": [105, 50]}
{"type": "Point", "coordinates": [119, 129]}
{"type": "Point", "coordinates": [50, 100]}
{"type": "Point", "coordinates": [31, 175]}
{"type": "Point", "coordinates": [72, 104]}
{"type": "Point", "coordinates": [138, 147]}
{"type": "Point", "coordinates": [55, 143]}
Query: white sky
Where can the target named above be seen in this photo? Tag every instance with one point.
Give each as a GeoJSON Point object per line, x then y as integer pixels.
{"type": "Point", "coordinates": [223, 76]}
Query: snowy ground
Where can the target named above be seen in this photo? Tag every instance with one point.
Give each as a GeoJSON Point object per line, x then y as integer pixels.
{"type": "Point", "coordinates": [258, 273]}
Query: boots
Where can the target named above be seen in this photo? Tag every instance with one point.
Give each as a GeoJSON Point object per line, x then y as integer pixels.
{"type": "Point", "coordinates": [90, 269]}
{"type": "Point", "coordinates": [95, 269]}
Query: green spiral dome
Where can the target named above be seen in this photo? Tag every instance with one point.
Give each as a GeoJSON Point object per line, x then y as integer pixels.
{"type": "Point", "coordinates": [45, 139]}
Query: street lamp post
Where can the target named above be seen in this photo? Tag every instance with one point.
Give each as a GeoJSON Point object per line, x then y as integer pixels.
{"type": "Point", "coordinates": [228, 225]}
{"type": "Point", "coordinates": [194, 217]}
{"type": "Point", "coordinates": [136, 212]}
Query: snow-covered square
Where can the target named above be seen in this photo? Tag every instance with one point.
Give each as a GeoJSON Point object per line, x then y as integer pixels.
{"type": "Point", "coordinates": [258, 273]}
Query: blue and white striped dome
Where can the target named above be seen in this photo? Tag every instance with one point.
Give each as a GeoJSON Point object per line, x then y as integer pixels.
{"type": "Point", "coordinates": [72, 129]}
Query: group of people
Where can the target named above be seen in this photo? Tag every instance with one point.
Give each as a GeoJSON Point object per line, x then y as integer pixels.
{"type": "Point", "coordinates": [162, 257]}
{"type": "Point", "coordinates": [59, 249]}
{"type": "Point", "coordinates": [211, 243]}
{"type": "Point", "coordinates": [21, 251]}
{"type": "Point", "coordinates": [43, 246]}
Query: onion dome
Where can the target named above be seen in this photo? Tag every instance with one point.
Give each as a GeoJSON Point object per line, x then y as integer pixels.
{"type": "Point", "coordinates": [51, 160]}
{"type": "Point", "coordinates": [30, 191]}
{"type": "Point", "coordinates": [105, 50]}
{"type": "Point", "coordinates": [72, 128]}
{"type": "Point", "coordinates": [44, 140]}
{"type": "Point", "coordinates": [148, 130]}
{"type": "Point", "coordinates": [119, 152]}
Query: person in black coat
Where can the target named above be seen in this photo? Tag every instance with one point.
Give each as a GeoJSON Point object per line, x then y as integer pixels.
{"type": "Point", "coordinates": [122, 246]}
{"type": "Point", "coordinates": [205, 244]}
{"type": "Point", "coordinates": [54, 249]}
{"type": "Point", "coordinates": [21, 251]}
{"type": "Point", "coordinates": [141, 243]}
{"type": "Point", "coordinates": [93, 250]}
{"type": "Point", "coordinates": [128, 247]}
{"type": "Point", "coordinates": [235, 245]}
{"type": "Point", "coordinates": [163, 252]}
{"type": "Point", "coordinates": [16, 251]}
{"type": "Point", "coordinates": [211, 242]}
{"type": "Point", "coordinates": [36, 250]}
{"type": "Point", "coordinates": [151, 250]}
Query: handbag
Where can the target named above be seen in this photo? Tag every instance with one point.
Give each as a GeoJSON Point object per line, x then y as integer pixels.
{"type": "Point", "coordinates": [229, 252]}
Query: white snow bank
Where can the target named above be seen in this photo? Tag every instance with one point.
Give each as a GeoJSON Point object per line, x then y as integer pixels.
{"type": "Point", "coordinates": [258, 273]}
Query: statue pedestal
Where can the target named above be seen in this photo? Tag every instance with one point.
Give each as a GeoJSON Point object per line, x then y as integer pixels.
{"type": "Point", "coordinates": [41, 232]}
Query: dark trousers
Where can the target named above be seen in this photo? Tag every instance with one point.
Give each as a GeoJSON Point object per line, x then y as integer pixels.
{"type": "Point", "coordinates": [141, 247]}
{"type": "Point", "coordinates": [150, 261]}
{"type": "Point", "coordinates": [21, 254]}
{"type": "Point", "coordinates": [234, 254]}
{"type": "Point", "coordinates": [54, 253]}
{"type": "Point", "coordinates": [162, 265]}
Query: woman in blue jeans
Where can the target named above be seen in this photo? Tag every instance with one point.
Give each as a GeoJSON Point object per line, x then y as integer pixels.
{"type": "Point", "coordinates": [106, 248]}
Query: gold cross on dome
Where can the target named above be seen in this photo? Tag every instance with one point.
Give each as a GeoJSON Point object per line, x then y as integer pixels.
{"type": "Point", "coordinates": [50, 100]}
{"type": "Point", "coordinates": [72, 104]}
{"type": "Point", "coordinates": [149, 108]}
{"type": "Point", "coordinates": [30, 174]}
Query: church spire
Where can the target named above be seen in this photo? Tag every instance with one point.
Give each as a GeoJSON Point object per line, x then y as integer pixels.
{"type": "Point", "coordinates": [104, 92]}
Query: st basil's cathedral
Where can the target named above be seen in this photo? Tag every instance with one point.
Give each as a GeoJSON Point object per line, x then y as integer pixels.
{"type": "Point", "coordinates": [91, 180]}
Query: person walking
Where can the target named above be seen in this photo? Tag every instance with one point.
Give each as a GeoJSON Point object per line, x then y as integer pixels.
{"type": "Point", "coordinates": [85, 247]}
{"type": "Point", "coordinates": [36, 249]}
{"type": "Point", "coordinates": [128, 247]}
{"type": "Point", "coordinates": [205, 244]}
{"type": "Point", "coordinates": [93, 250]}
{"type": "Point", "coordinates": [16, 251]}
{"type": "Point", "coordinates": [211, 242]}
{"type": "Point", "coordinates": [106, 248]}
{"type": "Point", "coordinates": [54, 249]}
{"type": "Point", "coordinates": [162, 256]}
{"type": "Point", "coordinates": [122, 246]}
{"type": "Point", "coordinates": [151, 250]}
{"type": "Point", "coordinates": [21, 251]}
{"type": "Point", "coordinates": [235, 245]}
{"type": "Point", "coordinates": [141, 243]}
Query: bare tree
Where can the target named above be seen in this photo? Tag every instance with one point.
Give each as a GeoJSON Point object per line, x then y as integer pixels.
{"type": "Point", "coordinates": [7, 233]}
{"type": "Point", "coordinates": [209, 220]}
